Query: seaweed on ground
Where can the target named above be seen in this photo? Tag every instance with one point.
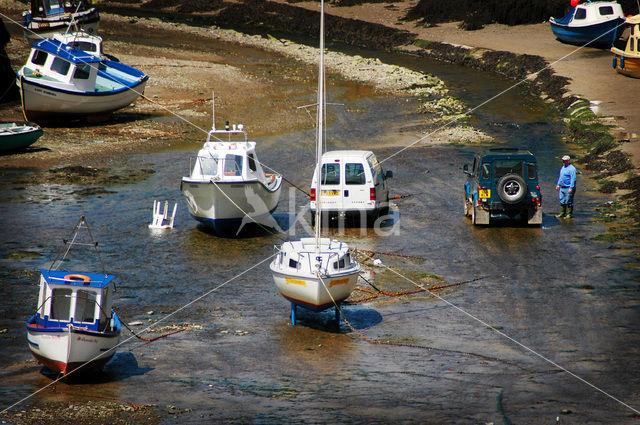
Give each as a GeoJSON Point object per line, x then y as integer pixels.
{"type": "Point", "coordinates": [474, 14]}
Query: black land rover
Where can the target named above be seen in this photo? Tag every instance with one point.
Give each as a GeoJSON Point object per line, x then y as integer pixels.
{"type": "Point", "coordinates": [503, 181]}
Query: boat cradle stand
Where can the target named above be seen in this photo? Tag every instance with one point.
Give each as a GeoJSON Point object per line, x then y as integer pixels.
{"type": "Point", "coordinates": [295, 305]}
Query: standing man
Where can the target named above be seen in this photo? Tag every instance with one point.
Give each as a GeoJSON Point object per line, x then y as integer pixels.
{"type": "Point", "coordinates": [566, 187]}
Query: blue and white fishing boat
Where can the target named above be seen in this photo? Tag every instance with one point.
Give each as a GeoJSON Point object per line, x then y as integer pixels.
{"type": "Point", "coordinates": [227, 187]}
{"type": "Point", "coordinates": [74, 325]}
{"type": "Point", "coordinates": [592, 24]}
{"type": "Point", "coordinates": [315, 273]}
{"type": "Point", "coordinates": [14, 136]}
{"type": "Point", "coordinates": [60, 80]}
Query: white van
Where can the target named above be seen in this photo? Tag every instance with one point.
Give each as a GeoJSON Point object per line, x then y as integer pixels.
{"type": "Point", "coordinates": [353, 183]}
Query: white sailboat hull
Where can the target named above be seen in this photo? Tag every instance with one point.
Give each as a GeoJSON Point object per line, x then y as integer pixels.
{"type": "Point", "coordinates": [312, 292]}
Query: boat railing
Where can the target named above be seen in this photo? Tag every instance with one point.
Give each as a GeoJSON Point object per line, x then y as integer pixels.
{"type": "Point", "coordinates": [235, 130]}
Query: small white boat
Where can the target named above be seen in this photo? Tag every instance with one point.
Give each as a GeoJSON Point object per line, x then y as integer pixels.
{"type": "Point", "coordinates": [60, 80]}
{"type": "Point", "coordinates": [592, 24]}
{"type": "Point", "coordinates": [47, 17]}
{"type": "Point", "coordinates": [74, 326]}
{"type": "Point", "coordinates": [228, 188]}
{"type": "Point", "coordinates": [315, 273]}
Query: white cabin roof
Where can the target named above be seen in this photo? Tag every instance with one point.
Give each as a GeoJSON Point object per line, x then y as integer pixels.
{"type": "Point", "coordinates": [341, 154]}
{"type": "Point", "coordinates": [223, 148]}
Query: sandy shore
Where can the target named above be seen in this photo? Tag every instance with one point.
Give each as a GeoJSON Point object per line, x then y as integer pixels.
{"type": "Point", "coordinates": [589, 70]}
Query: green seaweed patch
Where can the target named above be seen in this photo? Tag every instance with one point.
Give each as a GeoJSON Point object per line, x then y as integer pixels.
{"type": "Point", "coordinates": [423, 44]}
{"type": "Point", "coordinates": [390, 282]}
{"type": "Point", "coordinates": [22, 254]}
{"type": "Point", "coordinates": [588, 134]}
{"type": "Point", "coordinates": [607, 186]}
{"type": "Point", "coordinates": [80, 175]}
{"type": "Point", "coordinates": [606, 237]}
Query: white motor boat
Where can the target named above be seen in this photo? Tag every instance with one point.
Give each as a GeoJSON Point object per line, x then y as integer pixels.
{"type": "Point", "coordinates": [60, 80]}
{"type": "Point", "coordinates": [228, 188]}
{"type": "Point", "coordinates": [315, 273]}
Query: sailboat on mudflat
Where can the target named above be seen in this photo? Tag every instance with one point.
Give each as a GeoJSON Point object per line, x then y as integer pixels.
{"type": "Point", "coordinates": [315, 273]}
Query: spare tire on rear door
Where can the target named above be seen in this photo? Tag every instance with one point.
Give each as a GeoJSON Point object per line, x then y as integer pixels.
{"type": "Point", "coordinates": [512, 188]}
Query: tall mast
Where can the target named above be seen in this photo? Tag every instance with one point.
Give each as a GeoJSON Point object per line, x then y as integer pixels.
{"type": "Point", "coordinates": [320, 127]}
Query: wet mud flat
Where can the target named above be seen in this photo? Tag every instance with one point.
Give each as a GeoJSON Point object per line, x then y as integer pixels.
{"type": "Point", "coordinates": [422, 362]}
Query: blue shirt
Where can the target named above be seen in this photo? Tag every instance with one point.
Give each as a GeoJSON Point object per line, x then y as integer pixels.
{"type": "Point", "coordinates": [567, 176]}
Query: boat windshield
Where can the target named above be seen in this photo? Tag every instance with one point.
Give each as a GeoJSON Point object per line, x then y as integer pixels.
{"type": "Point", "coordinates": [85, 46]}
{"type": "Point", "coordinates": [233, 165]}
{"type": "Point", "coordinates": [208, 165]}
{"type": "Point", "coordinates": [85, 306]}
{"type": "Point", "coordinates": [60, 304]}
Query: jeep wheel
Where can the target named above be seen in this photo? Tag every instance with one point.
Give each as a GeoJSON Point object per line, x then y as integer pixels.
{"type": "Point", "coordinates": [473, 215]}
{"type": "Point", "coordinates": [512, 188]}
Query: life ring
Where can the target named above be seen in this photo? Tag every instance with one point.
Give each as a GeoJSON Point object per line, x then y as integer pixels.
{"type": "Point", "coordinates": [76, 277]}
{"type": "Point", "coordinates": [271, 177]}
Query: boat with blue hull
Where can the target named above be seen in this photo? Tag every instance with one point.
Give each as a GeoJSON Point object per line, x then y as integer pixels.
{"type": "Point", "coordinates": [593, 24]}
{"type": "Point", "coordinates": [74, 327]}
{"type": "Point", "coordinates": [227, 188]}
{"type": "Point", "coordinates": [61, 80]}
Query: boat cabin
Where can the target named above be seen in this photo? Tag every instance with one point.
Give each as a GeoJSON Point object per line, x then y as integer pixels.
{"type": "Point", "coordinates": [632, 48]}
{"type": "Point", "coordinates": [592, 12]}
{"type": "Point", "coordinates": [79, 299]}
{"type": "Point", "coordinates": [44, 8]}
{"type": "Point", "coordinates": [82, 40]}
{"type": "Point", "coordinates": [61, 63]}
{"type": "Point", "coordinates": [302, 257]}
{"type": "Point", "coordinates": [228, 160]}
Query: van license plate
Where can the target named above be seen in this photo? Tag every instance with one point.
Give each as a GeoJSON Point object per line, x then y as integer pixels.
{"type": "Point", "coordinates": [484, 193]}
{"type": "Point", "coordinates": [330, 193]}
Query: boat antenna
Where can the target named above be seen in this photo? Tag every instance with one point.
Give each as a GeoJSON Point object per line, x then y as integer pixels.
{"type": "Point", "coordinates": [68, 243]}
{"type": "Point", "coordinates": [213, 110]}
{"type": "Point", "coordinates": [320, 129]}
{"type": "Point", "coordinates": [73, 19]}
